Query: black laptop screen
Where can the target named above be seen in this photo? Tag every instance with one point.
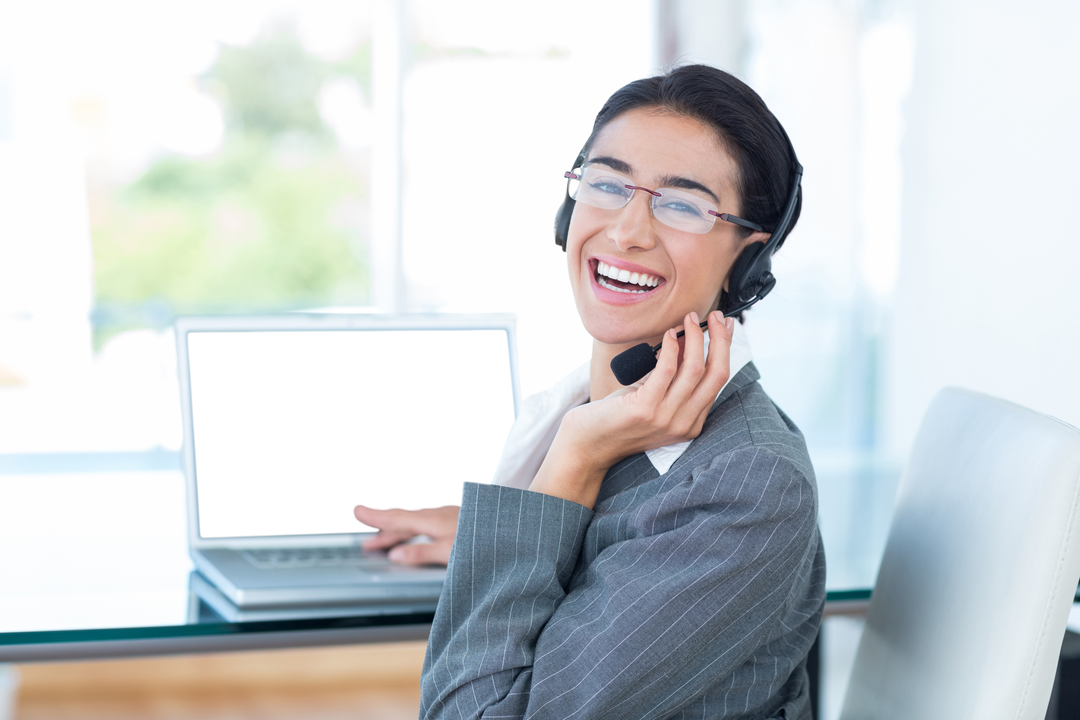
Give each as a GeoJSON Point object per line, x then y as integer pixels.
{"type": "Point", "coordinates": [291, 429]}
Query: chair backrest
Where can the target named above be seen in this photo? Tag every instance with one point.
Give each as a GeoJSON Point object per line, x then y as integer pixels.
{"type": "Point", "coordinates": [981, 566]}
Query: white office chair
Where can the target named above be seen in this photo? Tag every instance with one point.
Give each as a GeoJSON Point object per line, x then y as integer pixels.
{"type": "Point", "coordinates": [980, 569]}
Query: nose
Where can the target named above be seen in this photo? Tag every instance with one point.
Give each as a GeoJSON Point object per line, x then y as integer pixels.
{"type": "Point", "coordinates": [632, 227]}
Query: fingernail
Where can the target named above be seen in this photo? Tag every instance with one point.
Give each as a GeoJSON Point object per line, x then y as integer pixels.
{"type": "Point", "coordinates": [729, 323]}
{"type": "Point", "coordinates": [694, 318]}
{"type": "Point", "coordinates": [397, 553]}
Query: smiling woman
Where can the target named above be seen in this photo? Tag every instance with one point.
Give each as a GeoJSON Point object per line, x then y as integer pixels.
{"type": "Point", "coordinates": [652, 550]}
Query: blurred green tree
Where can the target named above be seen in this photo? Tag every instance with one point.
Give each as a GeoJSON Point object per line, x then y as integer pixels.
{"type": "Point", "coordinates": [270, 87]}
{"type": "Point", "coordinates": [275, 220]}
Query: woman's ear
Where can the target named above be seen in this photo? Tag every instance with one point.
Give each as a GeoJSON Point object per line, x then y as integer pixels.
{"type": "Point", "coordinates": [754, 237]}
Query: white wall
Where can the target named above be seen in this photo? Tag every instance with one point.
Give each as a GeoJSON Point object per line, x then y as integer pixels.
{"type": "Point", "coordinates": [45, 257]}
{"type": "Point", "coordinates": [701, 31]}
{"type": "Point", "coordinates": [988, 294]}
{"type": "Point", "coordinates": [486, 141]}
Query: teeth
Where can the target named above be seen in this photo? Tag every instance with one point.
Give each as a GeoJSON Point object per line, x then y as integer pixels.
{"type": "Point", "coordinates": [640, 279]}
{"type": "Point", "coordinates": [609, 286]}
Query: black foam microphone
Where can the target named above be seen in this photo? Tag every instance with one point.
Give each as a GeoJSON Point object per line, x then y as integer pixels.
{"type": "Point", "coordinates": [634, 364]}
{"type": "Point", "coordinates": [631, 365]}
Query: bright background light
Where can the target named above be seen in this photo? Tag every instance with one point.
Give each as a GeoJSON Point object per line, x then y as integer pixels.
{"type": "Point", "coordinates": [937, 138]}
{"type": "Point", "coordinates": [935, 246]}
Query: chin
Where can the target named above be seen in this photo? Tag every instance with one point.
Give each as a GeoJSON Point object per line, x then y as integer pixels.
{"type": "Point", "coordinates": [616, 333]}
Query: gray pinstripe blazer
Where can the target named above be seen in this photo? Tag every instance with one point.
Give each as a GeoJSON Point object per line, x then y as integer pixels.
{"type": "Point", "coordinates": [693, 594]}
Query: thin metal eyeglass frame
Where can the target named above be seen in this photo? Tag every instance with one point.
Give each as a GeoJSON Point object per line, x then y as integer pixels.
{"type": "Point", "coordinates": [727, 217]}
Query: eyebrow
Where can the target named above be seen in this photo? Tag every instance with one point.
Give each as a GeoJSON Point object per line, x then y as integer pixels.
{"type": "Point", "coordinates": [613, 163]}
{"type": "Point", "coordinates": [669, 181]}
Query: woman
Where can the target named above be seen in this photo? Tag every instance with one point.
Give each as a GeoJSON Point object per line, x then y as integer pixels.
{"type": "Point", "coordinates": [652, 552]}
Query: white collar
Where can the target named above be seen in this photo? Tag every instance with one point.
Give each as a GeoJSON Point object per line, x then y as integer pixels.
{"type": "Point", "coordinates": [534, 430]}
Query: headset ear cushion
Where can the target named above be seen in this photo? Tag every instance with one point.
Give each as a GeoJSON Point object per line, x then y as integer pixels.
{"type": "Point", "coordinates": [562, 221]}
{"type": "Point", "coordinates": [738, 292]}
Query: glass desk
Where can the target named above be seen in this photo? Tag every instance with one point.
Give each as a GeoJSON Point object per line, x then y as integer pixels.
{"type": "Point", "coordinates": [95, 565]}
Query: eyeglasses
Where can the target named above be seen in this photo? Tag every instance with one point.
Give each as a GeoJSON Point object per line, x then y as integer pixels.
{"type": "Point", "coordinates": [599, 187]}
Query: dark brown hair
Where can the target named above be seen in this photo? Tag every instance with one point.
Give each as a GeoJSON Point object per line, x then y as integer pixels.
{"type": "Point", "coordinates": [746, 128]}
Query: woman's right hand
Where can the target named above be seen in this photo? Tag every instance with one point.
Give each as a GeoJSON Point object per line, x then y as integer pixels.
{"type": "Point", "coordinates": [398, 527]}
{"type": "Point", "coordinates": [669, 406]}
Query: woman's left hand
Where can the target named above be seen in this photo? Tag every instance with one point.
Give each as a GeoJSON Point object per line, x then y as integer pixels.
{"type": "Point", "coordinates": [669, 406]}
{"type": "Point", "coordinates": [398, 528]}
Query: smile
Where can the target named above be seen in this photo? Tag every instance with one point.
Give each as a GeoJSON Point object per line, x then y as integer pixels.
{"type": "Point", "coordinates": [624, 281]}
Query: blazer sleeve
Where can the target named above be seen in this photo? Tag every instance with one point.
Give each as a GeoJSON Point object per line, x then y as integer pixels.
{"type": "Point", "coordinates": [700, 584]}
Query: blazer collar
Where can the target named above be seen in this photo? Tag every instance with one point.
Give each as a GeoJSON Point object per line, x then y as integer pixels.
{"type": "Point", "coordinates": [747, 376]}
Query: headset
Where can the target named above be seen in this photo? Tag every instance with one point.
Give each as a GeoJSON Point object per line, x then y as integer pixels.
{"type": "Point", "coordinates": [751, 276]}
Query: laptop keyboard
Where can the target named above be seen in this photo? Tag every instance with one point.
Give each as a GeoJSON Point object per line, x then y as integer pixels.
{"type": "Point", "coordinates": [311, 557]}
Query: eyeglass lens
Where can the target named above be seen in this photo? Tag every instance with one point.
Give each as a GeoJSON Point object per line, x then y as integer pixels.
{"type": "Point", "coordinates": [601, 188]}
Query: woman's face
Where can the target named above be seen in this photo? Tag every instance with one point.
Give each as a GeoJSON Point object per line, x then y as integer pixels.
{"type": "Point", "coordinates": [653, 149]}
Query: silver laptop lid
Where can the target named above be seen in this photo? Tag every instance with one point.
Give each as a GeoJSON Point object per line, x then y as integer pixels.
{"type": "Point", "coordinates": [290, 421]}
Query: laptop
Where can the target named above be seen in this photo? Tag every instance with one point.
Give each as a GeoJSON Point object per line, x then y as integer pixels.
{"type": "Point", "coordinates": [292, 420]}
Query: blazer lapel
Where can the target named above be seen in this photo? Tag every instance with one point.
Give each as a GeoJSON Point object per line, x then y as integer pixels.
{"type": "Point", "coordinates": [747, 376]}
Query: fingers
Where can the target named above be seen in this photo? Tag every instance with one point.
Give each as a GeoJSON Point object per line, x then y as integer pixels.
{"type": "Point", "coordinates": [667, 365]}
{"type": "Point", "coordinates": [692, 367]}
{"type": "Point", "coordinates": [698, 379]}
{"type": "Point", "coordinates": [401, 522]}
{"type": "Point", "coordinates": [385, 540]}
{"type": "Point", "coordinates": [399, 526]}
{"type": "Point", "coordinates": [436, 552]}
{"type": "Point", "coordinates": [721, 333]}
{"type": "Point", "coordinates": [718, 366]}
{"type": "Point", "coordinates": [680, 370]}
{"type": "Point", "coordinates": [421, 553]}
{"type": "Point", "coordinates": [678, 373]}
